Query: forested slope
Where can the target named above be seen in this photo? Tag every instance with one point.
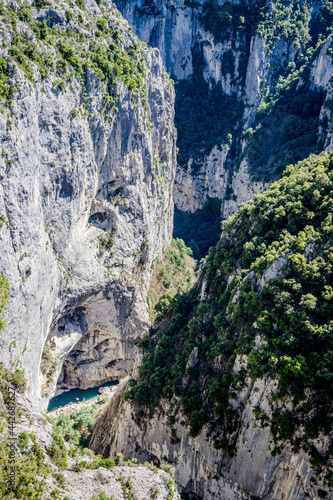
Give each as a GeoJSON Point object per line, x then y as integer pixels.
{"type": "Point", "coordinates": [251, 345]}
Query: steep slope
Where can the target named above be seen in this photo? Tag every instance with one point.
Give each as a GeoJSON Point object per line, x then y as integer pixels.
{"type": "Point", "coordinates": [235, 387]}
{"type": "Point", "coordinates": [251, 83]}
{"type": "Point", "coordinates": [37, 463]}
{"type": "Point", "coordinates": [86, 175]}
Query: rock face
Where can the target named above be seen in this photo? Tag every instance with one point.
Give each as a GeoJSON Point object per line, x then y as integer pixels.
{"type": "Point", "coordinates": [247, 61]}
{"type": "Point", "coordinates": [87, 196]}
{"type": "Point", "coordinates": [139, 482]}
{"type": "Point", "coordinates": [201, 470]}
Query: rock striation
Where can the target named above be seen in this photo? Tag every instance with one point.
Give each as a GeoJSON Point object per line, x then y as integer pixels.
{"type": "Point", "coordinates": [50, 467]}
{"type": "Point", "coordinates": [200, 470]}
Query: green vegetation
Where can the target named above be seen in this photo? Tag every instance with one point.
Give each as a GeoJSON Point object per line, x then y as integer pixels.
{"type": "Point", "coordinates": [4, 295]}
{"type": "Point", "coordinates": [30, 472]}
{"type": "Point", "coordinates": [294, 122]}
{"type": "Point", "coordinates": [172, 275]}
{"type": "Point", "coordinates": [229, 19]}
{"type": "Point", "coordinates": [48, 367]}
{"type": "Point", "coordinates": [148, 8]}
{"type": "Point", "coordinates": [77, 427]}
{"type": "Point", "coordinates": [288, 20]}
{"type": "Point", "coordinates": [16, 378]}
{"type": "Point", "coordinates": [4, 76]}
{"type": "Point", "coordinates": [106, 241]}
{"type": "Point", "coordinates": [108, 55]}
{"type": "Point", "coordinates": [102, 496]}
{"type": "Point", "coordinates": [287, 124]}
{"type": "Point", "coordinates": [205, 116]}
{"type": "Point", "coordinates": [290, 313]}
{"type": "Point", "coordinates": [200, 229]}
{"type": "Point", "coordinates": [321, 25]}
{"type": "Point", "coordinates": [22, 51]}
{"type": "Point", "coordinates": [57, 450]}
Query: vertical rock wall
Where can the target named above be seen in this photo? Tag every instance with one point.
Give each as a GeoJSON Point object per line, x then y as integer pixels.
{"type": "Point", "coordinates": [87, 199]}
{"type": "Point", "coordinates": [245, 64]}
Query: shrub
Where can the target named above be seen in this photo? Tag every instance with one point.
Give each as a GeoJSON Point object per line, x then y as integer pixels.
{"type": "Point", "coordinates": [18, 379]}
{"type": "Point", "coordinates": [57, 450]}
{"type": "Point", "coordinates": [4, 293]}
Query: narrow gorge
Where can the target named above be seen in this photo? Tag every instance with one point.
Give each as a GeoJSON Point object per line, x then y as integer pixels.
{"type": "Point", "coordinates": [166, 222]}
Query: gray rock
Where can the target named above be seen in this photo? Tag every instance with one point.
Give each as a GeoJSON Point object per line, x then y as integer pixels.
{"type": "Point", "coordinates": [69, 176]}
{"type": "Point", "coordinates": [174, 27]}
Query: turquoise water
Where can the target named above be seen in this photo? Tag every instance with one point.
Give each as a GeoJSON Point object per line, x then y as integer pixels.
{"type": "Point", "coordinates": [74, 394]}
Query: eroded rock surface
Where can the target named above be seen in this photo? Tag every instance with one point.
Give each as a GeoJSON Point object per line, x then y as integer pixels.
{"type": "Point", "coordinates": [86, 192]}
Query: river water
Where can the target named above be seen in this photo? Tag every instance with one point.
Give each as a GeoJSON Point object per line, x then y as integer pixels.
{"type": "Point", "coordinates": [75, 395]}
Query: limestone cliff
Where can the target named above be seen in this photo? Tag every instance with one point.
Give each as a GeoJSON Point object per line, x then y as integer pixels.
{"type": "Point", "coordinates": [86, 177]}
{"type": "Point", "coordinates": [248, 52]}
{"type": "Point", "coordinates": [203, 472]}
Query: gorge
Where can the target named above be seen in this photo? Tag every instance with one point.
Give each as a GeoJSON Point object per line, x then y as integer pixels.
{"type": "Point", "coordinates": [225, 378]}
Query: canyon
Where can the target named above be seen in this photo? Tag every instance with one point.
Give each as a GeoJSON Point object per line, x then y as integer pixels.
{"type": "Point", "coordinates": [91, 167]}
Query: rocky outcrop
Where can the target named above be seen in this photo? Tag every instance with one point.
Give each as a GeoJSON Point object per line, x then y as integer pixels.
{"type": "Point", "coordinates": [321, 73]}
{"type": "Point", "coordinates": [86, 192]}
{"type": "Point", "coordinates": [139, 482]}
{"type": "Point", "coordinates": [242, 419]}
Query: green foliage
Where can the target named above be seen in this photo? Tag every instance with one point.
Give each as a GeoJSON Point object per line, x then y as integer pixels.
{"type": "Point", "coordinates": [165, 303]}
{"type": "Point", "coordinates": [201, 229]}
{"type": "Point", "coordinates": [111, 59]}
{"type": "Point", "coordinates": [205, 116]}
{"type": "Point", "coordinates": [287, 125]}
{"type": "Point", "coordinates": [4, 75]}
{"type": "Point", "coordinates": [69, 15]}
{"type": "Point", "coordinates": [148, 8]}
{"type": "Point", "coordinates": [106, 242]}
{"type": "Point", "coordinates": [22, 49]}
{"type": "Point", "coordinates": [4, 295]}
{"type": "Point", "coordinates": [41, 30]}
{"type": "Point", "coordinates": [232, 19]}
{"type": "Point", "coordinates": [30, 473]}
{"type": "Point", "coordinates": [23, 441]}
{"type": "Point", "coordinates": [57, 450]}
{"type": "Point", "coordinates": [77, 427]}
{"type": "Point", "coordinates": [173, 275]}
{"type": "Point", "coordinates": [102, 496]}
{"type": "Point", "coordinates": [291, 311]}
{"type": "Point", "coordinates": [294, 116]}
{"type": "Point", "coordinates": [114, 61]}
{"type": "Point", "coordinates": [41, 4]}
{"type": "Point", "coordinates": [322, 22]}
{"type": "Point", "coordinates": [288, 20]}
{"type": "Point", "coordinates": [17, 378]}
